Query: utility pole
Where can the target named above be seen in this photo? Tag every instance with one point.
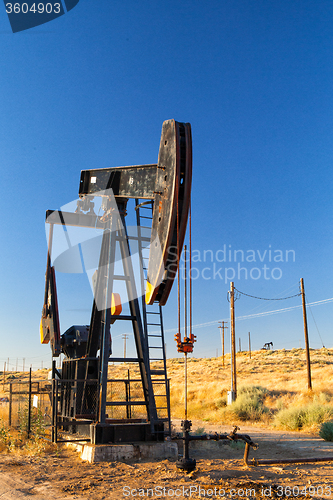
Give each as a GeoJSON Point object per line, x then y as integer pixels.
{"type": "Point", "coordinates": [233, 392]}
{"type": "Point", "coordinates": [4, 376]}
{"type": "Point", "coordinates": [222, 337]}
{"type": "Point", "coordinates": [306, 335]}
{"type": "Point", "coordinates": [240, 345]}
{"type": "Point", "coordinates": [125, 337]}
{"type": "Point", "coordinates": [250, 344]}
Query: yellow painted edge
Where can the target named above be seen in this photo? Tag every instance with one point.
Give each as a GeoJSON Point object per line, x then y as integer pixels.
{"type": "Point", "coordinates": [116, 306]}
{"type": "Point", "coordinates": [41, 331]}
{"type": "Point", "coordinates": [149, 292]}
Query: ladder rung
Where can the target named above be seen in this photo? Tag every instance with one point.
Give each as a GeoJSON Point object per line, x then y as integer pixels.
{"type": "Point", "coordinates": [157, 336]}
{"type": "Point", "coordinates": [144, 217]}
{"type": "Point", "coordinates": [157, 372]}
{"type": "Point", "coordinates": [123, 317]}
{"type": "Point", "coordinates": [154, 324]}
{"type": "Point", "coordinates": [125, 360]}
{"type": "Point", "coordinates": [152, 312]}
{"type": "Point", "coordinates": [155, 347]}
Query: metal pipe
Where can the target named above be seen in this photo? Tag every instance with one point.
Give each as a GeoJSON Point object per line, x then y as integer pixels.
{"type": "Point", "coordinates": [190, 274]}
{"type": "Point", "coordinates": [53, 399]}
{"type": "Point", "coordinates": [282, 461]}
{"type": "Point", "coordinates": [186, 463]}
{"type": "Point", "coordinates": [185, 332]}
{"type": "Point", "coordinates": [29, 406]}
{"type": "Point", "coordinates": [189, 464]}
{"type": "Point", "coordinates": [219, 437]}
{"type": "Point", "coordinates": [185, 294]}
{"type": "Point", "coordinates": [287, 461]}
{"type": "Point", "coordinates": [185, 388]}
{"type": "Point", "coordinates": [178, 250]}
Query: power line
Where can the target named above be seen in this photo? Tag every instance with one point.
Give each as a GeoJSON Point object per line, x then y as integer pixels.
{"type": "Point", "coordinates": [262, 298]}
{"type": "Point", "coordinates": [289, 289]}
{"type": "Point", "coordinates": [249, 316]}
{"type": "Point", "coordinates": [321, 340]}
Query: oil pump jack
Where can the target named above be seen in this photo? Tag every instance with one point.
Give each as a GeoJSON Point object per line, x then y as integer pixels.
{"type": "Point", "coordinates": [81, 397]}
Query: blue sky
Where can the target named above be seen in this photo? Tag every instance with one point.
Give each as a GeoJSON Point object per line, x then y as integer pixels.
{"type": "Point", "coordinates": [92, 88]}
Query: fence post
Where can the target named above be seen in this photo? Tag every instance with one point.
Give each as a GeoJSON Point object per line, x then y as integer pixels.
{"type": "Point", "coordinates": [4, 376]}
{"type": "Point", "coordinates": [10, 405]}
{"type": "Point", "coordinates": [29, 406]}
{"type": "Point", "coordinates": [129, 394]}
{"type": "Point", "coordinates": [53, 398]}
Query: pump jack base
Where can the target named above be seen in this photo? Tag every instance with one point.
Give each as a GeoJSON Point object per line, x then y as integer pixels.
{"type": "Point", "coordinates": [125, 451]}
{"type": "Point", "coordinates": [186, 464]}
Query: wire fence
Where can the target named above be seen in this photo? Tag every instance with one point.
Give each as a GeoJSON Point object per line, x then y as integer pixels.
{"type": "Point", "coordinates": [28, 406]}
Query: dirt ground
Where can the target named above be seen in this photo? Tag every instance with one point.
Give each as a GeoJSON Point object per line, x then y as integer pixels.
{"type": "Point", "coordinates": [220, 472]}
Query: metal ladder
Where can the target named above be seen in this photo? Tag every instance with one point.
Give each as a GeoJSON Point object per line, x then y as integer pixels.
{"type": "Point", "coordinates": [153, 324]}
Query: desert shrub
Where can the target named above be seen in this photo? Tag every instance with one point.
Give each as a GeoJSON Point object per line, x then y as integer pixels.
{"type": "Point", "coordinates": [37, 425]}
{"type": "Point", "coordinates": [249, 404]}
{"type": "Point", "coordinates": [290, 418]}
{"type": "Point", "coordinates": [254, 390]}
{"type": "Point", "coordinates": [295, 418]}
{"type": "Point", "coordinates": [12, 441]}
{"type": "Point", "coordinates": [4, 436]}
{"type": "Point", "coordinates": [221, 402]}
{"type": "Point", "coordinates": [280, 404]}
{"type": "Point", "coordinates": [317, 414]}
{"type": "Point", "coordinates": [8, 442]}
{"type": "Point", "coordinates": [322, 397]}
{"type": "Point", "coordinates": [326, 431]}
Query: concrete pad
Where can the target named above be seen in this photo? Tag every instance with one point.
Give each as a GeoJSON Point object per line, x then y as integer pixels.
{"type": "Point", "coordinates": [114, 452]}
